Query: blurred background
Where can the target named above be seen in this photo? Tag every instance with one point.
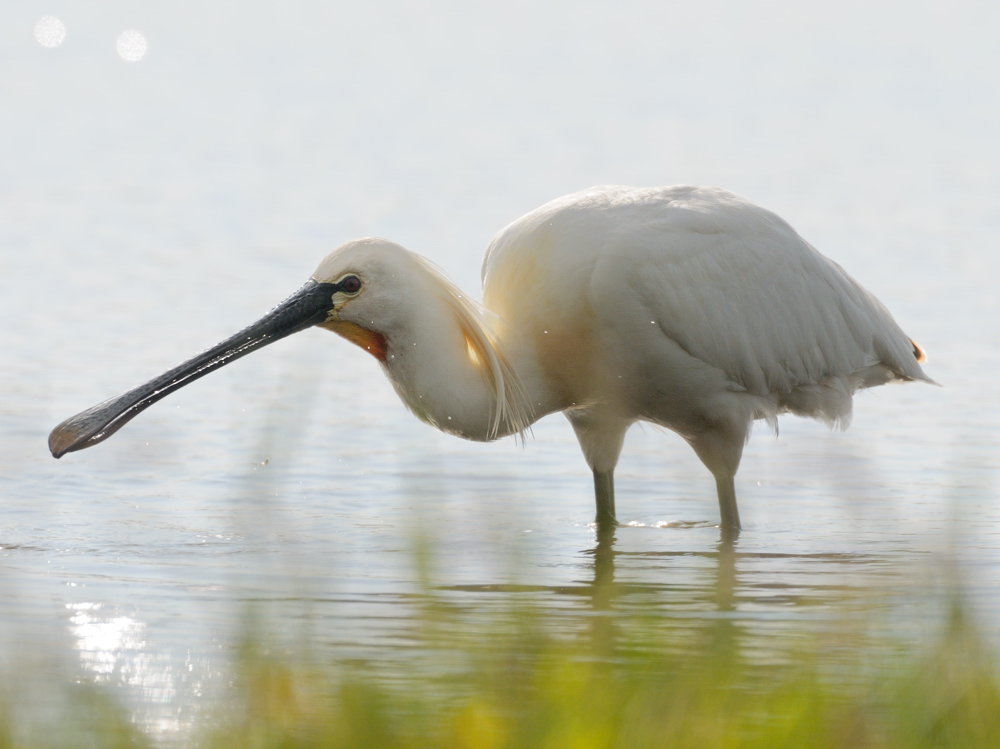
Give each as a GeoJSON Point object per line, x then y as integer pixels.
{"type": "Point", "coordinates": [170, 170]}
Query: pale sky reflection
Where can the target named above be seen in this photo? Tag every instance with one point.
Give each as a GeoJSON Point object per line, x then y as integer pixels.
{"type": "Point", "coordinates": [114, 649]}
{"type": "Point", "coordinates": [103, 642]}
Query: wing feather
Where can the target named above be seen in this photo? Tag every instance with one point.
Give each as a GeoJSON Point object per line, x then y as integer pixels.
{"type": "Point", "coordinates": [738, 288]}
{"type": "Point", "coordinates": [729, 282]}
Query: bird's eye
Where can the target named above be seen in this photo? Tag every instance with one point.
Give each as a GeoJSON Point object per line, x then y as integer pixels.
{"type": "Point", "coordinates": [351, 284]}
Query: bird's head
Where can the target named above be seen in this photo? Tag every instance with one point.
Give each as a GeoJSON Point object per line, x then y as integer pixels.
{"type": "Point", "coordinates": [373, 286]}
{"type": "Point", "coordinates": [403, 310]}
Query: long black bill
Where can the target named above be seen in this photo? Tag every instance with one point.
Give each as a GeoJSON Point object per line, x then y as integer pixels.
{"type": "Point", "coordinates": [308, 306]}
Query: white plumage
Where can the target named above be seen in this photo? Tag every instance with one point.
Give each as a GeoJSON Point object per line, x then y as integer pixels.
{"type": "Point", "coordinates": [688, 307]}
{"type": "Point", "coordinates": [695, 279]}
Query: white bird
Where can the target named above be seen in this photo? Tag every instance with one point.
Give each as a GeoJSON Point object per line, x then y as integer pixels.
{"type": "Point", "coordinates": [688, 307]}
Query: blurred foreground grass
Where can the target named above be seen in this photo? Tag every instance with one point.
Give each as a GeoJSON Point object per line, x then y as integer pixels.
{"type": "Point", "coordinates": [518, 676]}
{"type": "Point", "coordinates": [518, 683]}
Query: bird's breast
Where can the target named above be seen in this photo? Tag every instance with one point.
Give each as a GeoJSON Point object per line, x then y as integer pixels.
{"type": "Point", "coordinates": [372, 342]}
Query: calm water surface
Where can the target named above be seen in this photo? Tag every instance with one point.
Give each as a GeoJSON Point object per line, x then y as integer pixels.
{"type": "Point", "coordinates": [149, 209]}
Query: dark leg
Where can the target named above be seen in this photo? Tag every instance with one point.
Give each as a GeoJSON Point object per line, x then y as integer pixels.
{"type": "Point", "coordinates": [720, 449]}
{"type": "Point", "coordinates": [727, 507]}
{"type": "Point", "coordinates": [604, 490]}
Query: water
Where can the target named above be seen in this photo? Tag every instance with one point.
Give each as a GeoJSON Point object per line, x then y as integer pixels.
{"type": "Point", "coordinates": [150, 209]}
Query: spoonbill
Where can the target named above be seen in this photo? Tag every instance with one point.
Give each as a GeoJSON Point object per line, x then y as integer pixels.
{"type": "Point", "coordinates": [688, 307]}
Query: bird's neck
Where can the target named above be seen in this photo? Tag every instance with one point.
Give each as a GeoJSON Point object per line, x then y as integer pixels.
{"type": "Point", "coordinates": [455, 373]}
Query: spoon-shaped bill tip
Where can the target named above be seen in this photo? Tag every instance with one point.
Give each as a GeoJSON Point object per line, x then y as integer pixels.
{"type": "Point", "coordinates": [80, 431]}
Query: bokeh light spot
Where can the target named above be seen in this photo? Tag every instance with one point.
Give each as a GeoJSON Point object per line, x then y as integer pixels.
{"type": "Point", "coordinates": [131, 45]}
{"type": "Point", "coordinates": [50, 31]}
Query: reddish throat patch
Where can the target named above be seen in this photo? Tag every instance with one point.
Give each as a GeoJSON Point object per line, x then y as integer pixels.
{"type": "Point", "coordinates": [372, 342]}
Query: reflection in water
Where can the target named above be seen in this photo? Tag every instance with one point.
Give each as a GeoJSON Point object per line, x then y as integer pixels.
{"type": "Point", "coordinates": [604, 592]}
{"type": "Point", "coordinates": [720, 589]}
{"type": "Point", "coordinates": [724, 627]}
{"type": "Point", "coordinates": [114, 650]}
{"type": "Point", "coordinates": [103, 642]}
